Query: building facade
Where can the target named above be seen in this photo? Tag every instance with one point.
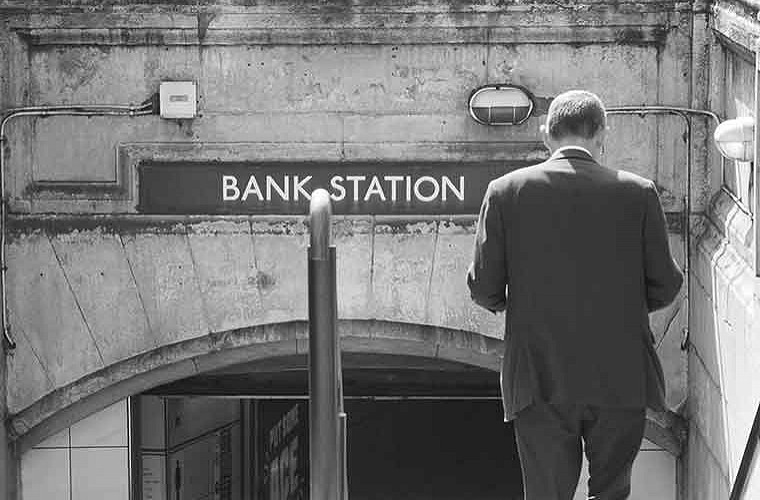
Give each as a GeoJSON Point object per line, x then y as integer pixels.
{"type": "Point", "coordinates": [132, 298]}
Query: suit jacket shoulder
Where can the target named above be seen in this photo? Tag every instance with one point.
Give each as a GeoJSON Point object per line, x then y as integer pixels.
{"type": "Point", "coordinates": [539, 172]}
{"type": "Point", "coordinates": [516, 178]}
{"type": "Point", "coordinates": [635, 179]}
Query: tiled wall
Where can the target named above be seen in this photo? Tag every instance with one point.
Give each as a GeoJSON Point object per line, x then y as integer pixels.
{"type": "Point", "coordinates": [87, 461]}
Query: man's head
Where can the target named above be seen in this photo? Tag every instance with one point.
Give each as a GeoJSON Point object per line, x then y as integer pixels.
{"type": "Point", "coordinates": [575, 118]}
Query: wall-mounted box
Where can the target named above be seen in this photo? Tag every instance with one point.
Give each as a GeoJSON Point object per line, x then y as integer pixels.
{"type": "Point", "coordinates": [178, 99]}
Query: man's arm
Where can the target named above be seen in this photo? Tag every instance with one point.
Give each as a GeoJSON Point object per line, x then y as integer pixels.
{"type": "Point", "coordinates": [487, 276]}
{"type": "Point", "coordinates": [662, 275]}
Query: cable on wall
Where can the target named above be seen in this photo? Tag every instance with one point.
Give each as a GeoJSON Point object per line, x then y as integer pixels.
{"type": "Point", "coordinates": [148, 107]}
{"type": "Point", "coordinates": [685, 114]}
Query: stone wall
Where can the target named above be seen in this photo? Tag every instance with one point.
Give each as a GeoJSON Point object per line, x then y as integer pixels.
{"type": "Point", "coordinates": [724, 357]}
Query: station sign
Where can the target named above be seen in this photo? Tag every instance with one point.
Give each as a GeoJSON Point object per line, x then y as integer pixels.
{"type": "Point", "coordinates": [284, 188]}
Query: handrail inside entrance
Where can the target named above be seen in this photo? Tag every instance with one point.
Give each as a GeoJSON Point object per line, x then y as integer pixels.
{"type": "Point", "coordinates": [327, 419]}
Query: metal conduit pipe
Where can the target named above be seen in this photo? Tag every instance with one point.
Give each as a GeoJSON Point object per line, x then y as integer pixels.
{"type": "Point", "coordinates": [685, 114]}
{"type": "Point", "coordinates": [145, 108]}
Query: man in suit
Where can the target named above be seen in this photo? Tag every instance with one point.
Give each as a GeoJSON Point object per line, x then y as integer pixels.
{"type": "Point", "coordinates": [577, 254]}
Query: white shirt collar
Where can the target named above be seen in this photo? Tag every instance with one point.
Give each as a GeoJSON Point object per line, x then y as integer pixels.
{"type": "Point", "coordinates": [565, 148]}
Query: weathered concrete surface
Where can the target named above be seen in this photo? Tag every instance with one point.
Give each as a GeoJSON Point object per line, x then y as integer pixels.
{"type": "Point", "coordinates": [282, 80]}
{"type": "Point", "coordinates": [280, 249]}
{"type": "Point", "coordinates": [402, 270]}
{"type": "Point", "coordinates": [101, 279]}
{"type": "Point", "coordinates": [357, 77]}
{"type": "Point", "coordinates": [44, 307]}
{"type": "Point", "coordinates": [364, 79]}
{"type": "Point", "coordinates": [737, 21]}
{"type": "Point", "coordinates": [93, 148]}
{"type": "Point", "coordinates": [353, 240]}
{"type": "Point", "coordinates": [134, 285]}
{"type": "Point", "coordinates": [668, 327]}
{"type": "Point", "coordinates": [165, 275]}
{"type": "Point", "coordinates": [171, 362]}
{"type": "Point", "coordinates": [27, 381]}
{"type": "Point", "coordinates": [226, 268]}
{"type": "Point", "coordinates": [449, 301]}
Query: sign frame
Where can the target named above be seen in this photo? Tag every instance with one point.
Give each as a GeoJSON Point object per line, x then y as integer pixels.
{"type": "Point", "coordinates": [281, 187]}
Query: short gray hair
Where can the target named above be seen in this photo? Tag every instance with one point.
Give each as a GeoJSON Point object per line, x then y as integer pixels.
{"type": "Point", "coordinates": [575, 113]}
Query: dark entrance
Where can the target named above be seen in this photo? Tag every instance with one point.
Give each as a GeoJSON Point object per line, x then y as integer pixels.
{"type": "Point", "coordinates": [418, 429]}
{"type": "Point", "coordinates": [431, 449]}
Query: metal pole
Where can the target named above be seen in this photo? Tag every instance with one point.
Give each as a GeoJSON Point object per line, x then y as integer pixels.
{"type": "Point", "coordinates": [745, 467]}
{"type": "Point", "coordinates": [326, 417]}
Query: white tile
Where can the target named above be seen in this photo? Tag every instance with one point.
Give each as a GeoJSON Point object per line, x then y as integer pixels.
{"type": "Point", "coordinates": [57, 440]}
{"type": "Point", "coordinates": [45, 474]}
{"type": "Point", "coordinates": [99, 473]}
{"type": "Point", "coordinates": [108, 427]}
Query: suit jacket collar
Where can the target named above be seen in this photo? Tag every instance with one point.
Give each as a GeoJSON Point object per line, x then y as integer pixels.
{"type": "Point", "coordinates": [568, 152]}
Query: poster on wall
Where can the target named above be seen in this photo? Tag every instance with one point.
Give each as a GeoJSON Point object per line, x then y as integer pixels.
{"type": "Point", "coordinates": [284, 467]}
{"type": "Point", "coordinates": [153, 477]}
{"type": "Point", "coordinates": [223, 465]}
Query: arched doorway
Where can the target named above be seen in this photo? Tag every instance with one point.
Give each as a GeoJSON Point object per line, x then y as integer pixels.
{"type": "Point", "coordinates": [424, 419]}
{"type": "Point", "coordinates": [418, 428]}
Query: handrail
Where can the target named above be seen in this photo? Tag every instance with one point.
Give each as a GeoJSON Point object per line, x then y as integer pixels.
{"type": "Point", "coordinates": [327, 420]}
{"type": "Point", "coordinates": [747, 458]}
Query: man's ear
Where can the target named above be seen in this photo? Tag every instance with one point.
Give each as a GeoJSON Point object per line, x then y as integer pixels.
{"type": "Point", "coordinates": [600, 137]}
{"type": "Point", "coordinates": [545, 137]}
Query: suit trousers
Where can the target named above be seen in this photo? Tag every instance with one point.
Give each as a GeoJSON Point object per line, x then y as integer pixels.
{"type": "Point", "coordinates": [551, 437]}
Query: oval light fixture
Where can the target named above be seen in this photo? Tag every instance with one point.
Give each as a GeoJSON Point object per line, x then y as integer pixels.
{"type": "Point", "coordinates": [735, 138]}
{"type": "Point", "coordinates": [502, 104]}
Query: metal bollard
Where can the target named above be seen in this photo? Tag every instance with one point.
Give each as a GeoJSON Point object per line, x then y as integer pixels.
{"type": "Point", "coordinates": [327, 448]}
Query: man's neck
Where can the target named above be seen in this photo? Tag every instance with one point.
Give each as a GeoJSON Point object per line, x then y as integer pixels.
{"type": "Point", "coordinates": [589, 147]}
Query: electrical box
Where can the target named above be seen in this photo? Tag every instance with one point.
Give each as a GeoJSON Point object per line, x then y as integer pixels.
{"type": "Point", "coordinates": [178, 99]}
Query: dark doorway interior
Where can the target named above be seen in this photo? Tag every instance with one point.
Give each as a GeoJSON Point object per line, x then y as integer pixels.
{"type": "Point", "coordinates": [431, 450]}
{"type": "Point", "coordinates": [418, 429]}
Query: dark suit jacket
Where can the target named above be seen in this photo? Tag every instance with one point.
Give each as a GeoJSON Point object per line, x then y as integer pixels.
{"type": "Point", "coordinates": [584, 252]}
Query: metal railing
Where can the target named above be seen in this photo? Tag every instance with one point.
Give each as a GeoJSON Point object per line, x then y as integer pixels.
{"type": "Point", "coordinates": [747, 458]}
{"type": "Point", "coordinates": [327, 419]}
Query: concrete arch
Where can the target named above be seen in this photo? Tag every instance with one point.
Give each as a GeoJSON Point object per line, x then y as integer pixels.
{"type": "Point", "coordinates": [117, 300]}
{"type": "Point", "coordinates": [71, 403]}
